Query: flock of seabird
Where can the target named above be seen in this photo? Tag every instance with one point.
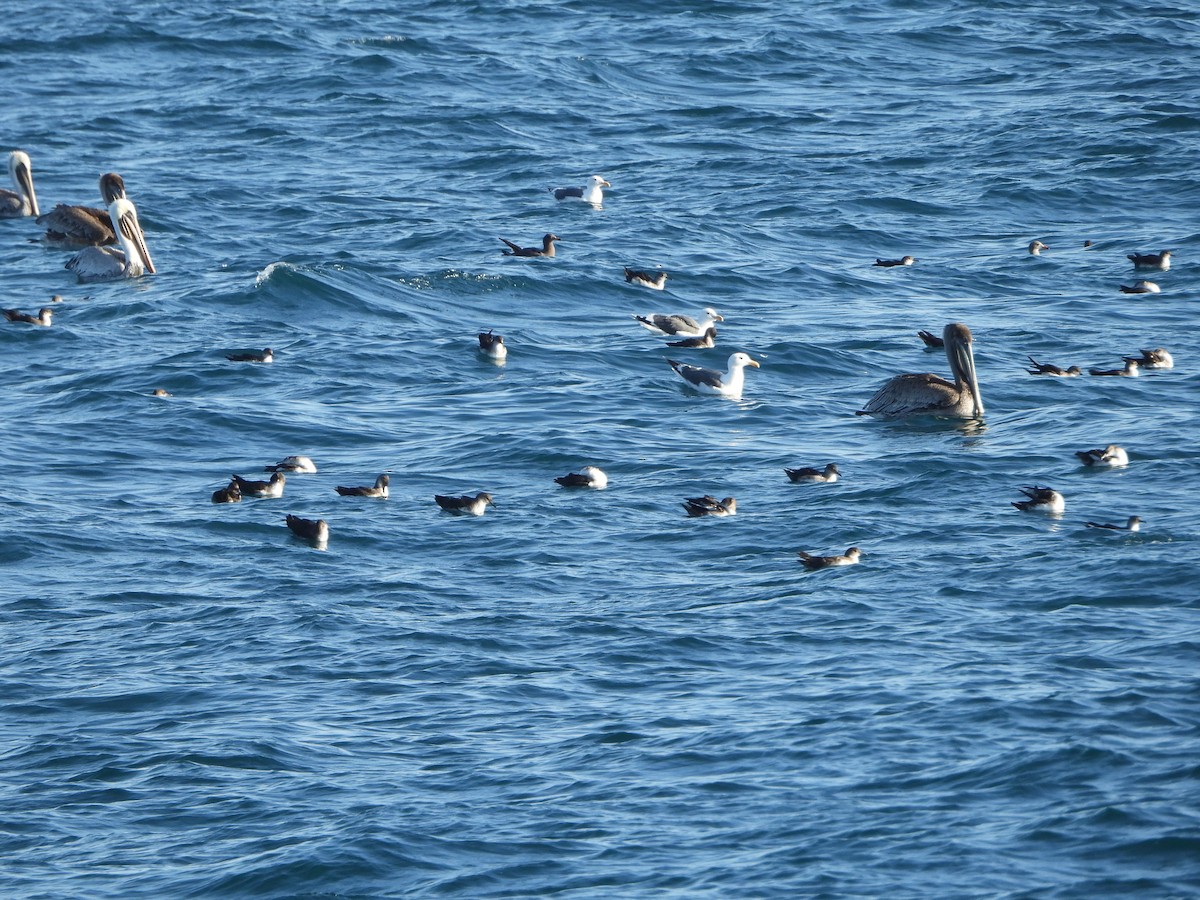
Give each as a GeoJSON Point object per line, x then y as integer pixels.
{"type": "Point", "coordinates": [93, 232]}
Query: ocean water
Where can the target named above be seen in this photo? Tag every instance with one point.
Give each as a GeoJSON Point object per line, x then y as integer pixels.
{"type": "Point", "coordinates": [588, 694]}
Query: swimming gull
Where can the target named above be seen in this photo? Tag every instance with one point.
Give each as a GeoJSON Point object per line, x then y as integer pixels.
{"type": "Point", "coordinates": [712, 381]}
{"type": "Point", "coordinates": [678, 325]}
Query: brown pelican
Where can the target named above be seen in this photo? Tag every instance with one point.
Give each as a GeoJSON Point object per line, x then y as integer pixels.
{"type": "Point", "coordinates": [380, 489]}
{"type": "Point", "coordinates": [1041, 499]}
{"type": "Point", "coordinates": [1160, 261]}
{"type": "Point", "coordinates": [1158, 358]}
{"type": "Point", "coordinates": [931, 395]}
{"type": "Point", "coordinates": [272, 488]}
{"type": "Point", "coordinates": [315, 531]}
{"type": "Point", "coordinates": [492, 345]}
{"type": "Point", "coordinates": [547, 248]}
{"type": "Point", "coordinates": [1141, 287]}
{"type": "Point", "coordinates": [587, 477]}
{"type": "Point", "coordinates": [301, 465]}
{"type": "Point", "coordinates": [677, 325]}
{"type": "Point", "coordinates": [1107, 457]}
{"type": "Point", "coordinates": [84, 226]}
{"type": "Point", "coordinates": [1133, 523]}
{"type": "Point", "coordinates": [710, 506]}
{"type": "Point", "coordinates": [1036, 248]}
{"type": "Point", "coordinates": [24, 201]}
{"type": "Point", "coordinates": [891, 263]}
{"type": "Point", "coordinates": [1051, 369]}
{"type": "Point", "coordinates": [828, 475]}
{"type": "Point", "coordinates": [657, 281]}
{"type": "Point", "coordinates": [466, 504]}
{"type": "Point", "coordinates": [42, 318]}
{"type": "Point", "coordinates": [706, 340]}
{"type": "Point", "coordinates": [105, 263]}
{"type": "Point", "coordinates": [712, 381]}
{"type": "Point", "coordinates": [589, 193]}
{"type": "Point", "coordinates": [850, 558]}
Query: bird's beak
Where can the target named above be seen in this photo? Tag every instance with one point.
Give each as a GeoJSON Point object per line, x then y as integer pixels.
{"type": "Point", "coordinates": [754, 363]}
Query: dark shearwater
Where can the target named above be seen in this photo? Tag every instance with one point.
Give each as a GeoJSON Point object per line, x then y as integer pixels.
{"type": "Point", "coordinates": [1160, 261]}
{"type": "Point", "coordinates": [710, 506]}
{"type": "Point", "coordinates": [703, 342]}
{"type": "Point", "coordinates": [657, 281]}
{"type": "Point", "coordinates": [892, 263]}
{"type": "Point", "coordinates": [380, 489]}
{"type": "Point", "coordinates": [1133, 523]}
{"type": "Point", "coordinates": [42, 318]}
{"type": "Point", "coordinates": [492, 345]}
{"type": "Point", "coordinates": [315, 531]}
{"type": "Point", "coordinates": [547, 248]}
{"type": "Point", "coordinates": [1158, 358]}
{"type": "Point", "coordinates": [1130, 370]}
{"type": "Point", "coordinates": [1036, 248]}
{"type": "Point", "coordinates": [829, 474]}
{"type": "Point", "coordinates": [1141, 287]}
{"type": "Point", "coordinates": [231, 493]}
{"type": "Point", "coordinates": [1051, 369]}
{"type": "Point", "coordinates": [849, 558]}
{"type": "Point", "coordinates": [466, 504]}
{"type": "Point", "coordinates": [272, 488]}
{"type": "Point", "coordinates": [265, 355]}
{"type": "Point", "coordinates": [300, 465]}
{"type": "Point", "coordinates": [1041, 499]}
{"type": "Point", "coordinates": [1104, 457]}
{"type": "Point", "coordinates": [587, 477]}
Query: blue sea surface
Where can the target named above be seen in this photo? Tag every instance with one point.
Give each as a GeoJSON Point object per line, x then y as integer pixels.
{"type": "Point", "coordinates": [587, 694]}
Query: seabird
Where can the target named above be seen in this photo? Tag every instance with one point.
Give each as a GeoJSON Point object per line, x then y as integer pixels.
{"type": "Point", "coordinates": [380, 489]}
{"type": "Point", "coordinates": [231, 493]}
{"type": "Point", "coordinates": [265, 355]}
{"type": "Point", "coordinates": [710, 506]}
{"type": "Point", "coordinates": [1133, 523]}
{"type": "Point", "coordinates": [84, 226]}
{"type": "Point", "coordinates": [492, 345]}
{"type": "Point", "coordinates": [1041, 499]}
{"type": "Point", "coordinates": [547, 248]}
{"type": "Point", "coordinates": [1110, 457]}
{"type": "Point", "coordinates": [1158, 358]}
{"type": "Point", "coordinates": [712, 381]}
{"type": "Point", "coordinates": [161, 392]}
{"type": "Point", "coordinates": [272, 488]}
{"type": "Point", "coordinates": [706, 340]}
{"type": "Point", "coordinates": [589, 193]}
{"type": "Point", "coordinates": [932, 395]}
{"type": "Point", "coordinates": [1051, 369]}
{"type": "Point", "coordinates": [849, 558]}
{"type": "Point", "coordinates": [466, 504]}
{"type": "Point", "coordinates": [1141, 287]}
{"type": "Point", "coordinates": [315, 531]}
{"type": "Point", "coordinates": [680, 325]}
{"type": "Point", "coordinates": [42, 318]}
{"type": "Point", "coordinates": [890, 263]}
{"type": "Point", "coordinates": [1036, 248]}
{"type": "Point", "coordinates": [1131, 369]}
{"type": "Point", "coordinates": [587, 477]}
{"type": "Point", "coordinates": [1160, 261]}
{"type": "Point", "coordinates": [105, 263]}
{"type": "Point", "coordinates": [300, 465]}
{"type": "Point", "coordinates": [657, 281]}
{"type": "Point", "coordinates": [829, 474]}
{"type": "Point", "coordinates": [24, 201]}
{"type": "Point", "coordinates": [931, 340]}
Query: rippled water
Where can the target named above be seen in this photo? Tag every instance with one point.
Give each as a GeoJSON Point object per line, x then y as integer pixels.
{"type": "Point", "coordinates": [589, 694]}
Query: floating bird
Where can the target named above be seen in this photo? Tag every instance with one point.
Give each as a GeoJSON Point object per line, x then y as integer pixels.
{"type": "Point", "coordinates": [710, 506]}
{"type": "Point", "coordinates": [84, 226]}
{"type": "Point", "coordinates": [1141, 287]}
{"type": "Point", "coordinates": [1158, 358]}
{"type": "Point", "coordinates": [1160, 261]}
{"type": "Point", "coordinates": [300, 465]}
{"type": "Point", "coordinates": [828, 475]}
{"type": "Point", "coordinates": [161, 392]}
{"type": "Point", "coordinates": [712, 381]}
{"type": "Point", "coordinates": [492, 345]}
{"type": "Point", "coordinates": [931, 340]}
{"type": "Point", "coordinates": [269, 489]}
{"type": "Point", "coordinates": [24, 201]}
{"type": "Point", "coordinates": [1108, 457]}
{"type": "Point", "coordinates": [42, 318]}
{"type": "Point", "coordinates": [231, 493]}
{"type": "Point", "coordinates": [547, 248]}
{"type": "Point", "coordinates": [657, 281]}
{"type": "Point", "coordinates": [315, 531]}
{"type": "Point", "coordinates": [932, 395]}
{"type": "Point", "coordinates": [890, 263]}
{"type": "Point", "coordinates": [106, 263]}
{"type": "Point", "coordinates": [1041, 499]}
{"type": "Point", "coordinates": [680, 325]}
{"type": "Point", "coordinates": [849, 558]}
{"type": "Point", "coordinates": [587, 477]}
{"type": "Point", "coordinates": [589, 193]}
{"type": "Point", "coordinates": [1130, 370]}
{"type": "Point", "coordinates": [1051, 369]}
{"type": "Point", "coordinates": [1133, 523]}
{"type": "Point", "coordinates": [380, 489]}
{"type": "Point", "coordinates": [706, 340]}
{"type": "Point", "coordinates": [265, 355]}
{"type": "Point", "coordinates": [1036, 248]}
{"type": "Point", "coordinates": [466, 504]}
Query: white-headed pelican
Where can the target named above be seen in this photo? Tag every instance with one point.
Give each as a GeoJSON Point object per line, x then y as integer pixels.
{"type": "Point", "coordinates": [105, 263]}
{"type": "Point", "coordinates": [23, 202]}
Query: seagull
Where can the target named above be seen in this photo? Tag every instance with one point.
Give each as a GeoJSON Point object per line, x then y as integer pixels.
{"type": "Point", "coordinates": [1051, 369]}
{"type": "Point", "coordinates": [492, 345]}
{"type": "Point", "coordinates": [301, 465]}
{"type": "Point", "coordinates": [1130, 370]}
{"type": "Point", "coordinates": [107, 263]}
{"type": "Point", "coordinates": [657, 281]}
{"type": "Point", "coordinates": [84, 226]}
{"type": "Point", "coordinates": [229, 494]}
{"type": "Point", "coordinates": [265, 355]}
{"type": "Point", "coordinates": [931, 340]}
{"type": "Point", "coordinates": [712, 381]}
{"type": "Point", "coordinates": [1160, 261]}
{"type": "Point", "coordinates": [24, 201]}
{"type": "Point", "coordinates": [272, 488]}
{"type": "Point", "coordinates": [932, 395]}
{"type": "Point", "coordinates": [703, 342]}
{"type": "Point", "coordinates": [1141, 287]}
{"type": "Point", "coordinates": [1133, 523]}
{"type": "Point", "coordinates": [1041, 499]}
{"type": "Point", "coordinates": [710, 506]}
{"type": "Point", "coordinates": [890, 263]}
{"type": "Point", "coordinates": [827, 475]}
{"type": "Point", "coordinates": [380, 489]}
{"type": "Point", "coordinates": [1158, 358]}
{"type": "Point", "coordinates": [1108, 457]}
{"type": "Point", "coordinates": [850, 558]}
{"type": "Point", "coordinates": [678, 325]}
{"type": "Point", "coordinates": [42, 318]}
{"type": "Point", "coordinates": [466, 504]}
{"type": "Point", "coordinates": [587, 477]}
{"type": "Point", "coordinates": [590, 193]}
{"type": "Point", "coordinates": [547, 248]}
{"type": "Point", "coordinates": [1036, 248]}
{"type": "Point", "coordinates": [315, 531]}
